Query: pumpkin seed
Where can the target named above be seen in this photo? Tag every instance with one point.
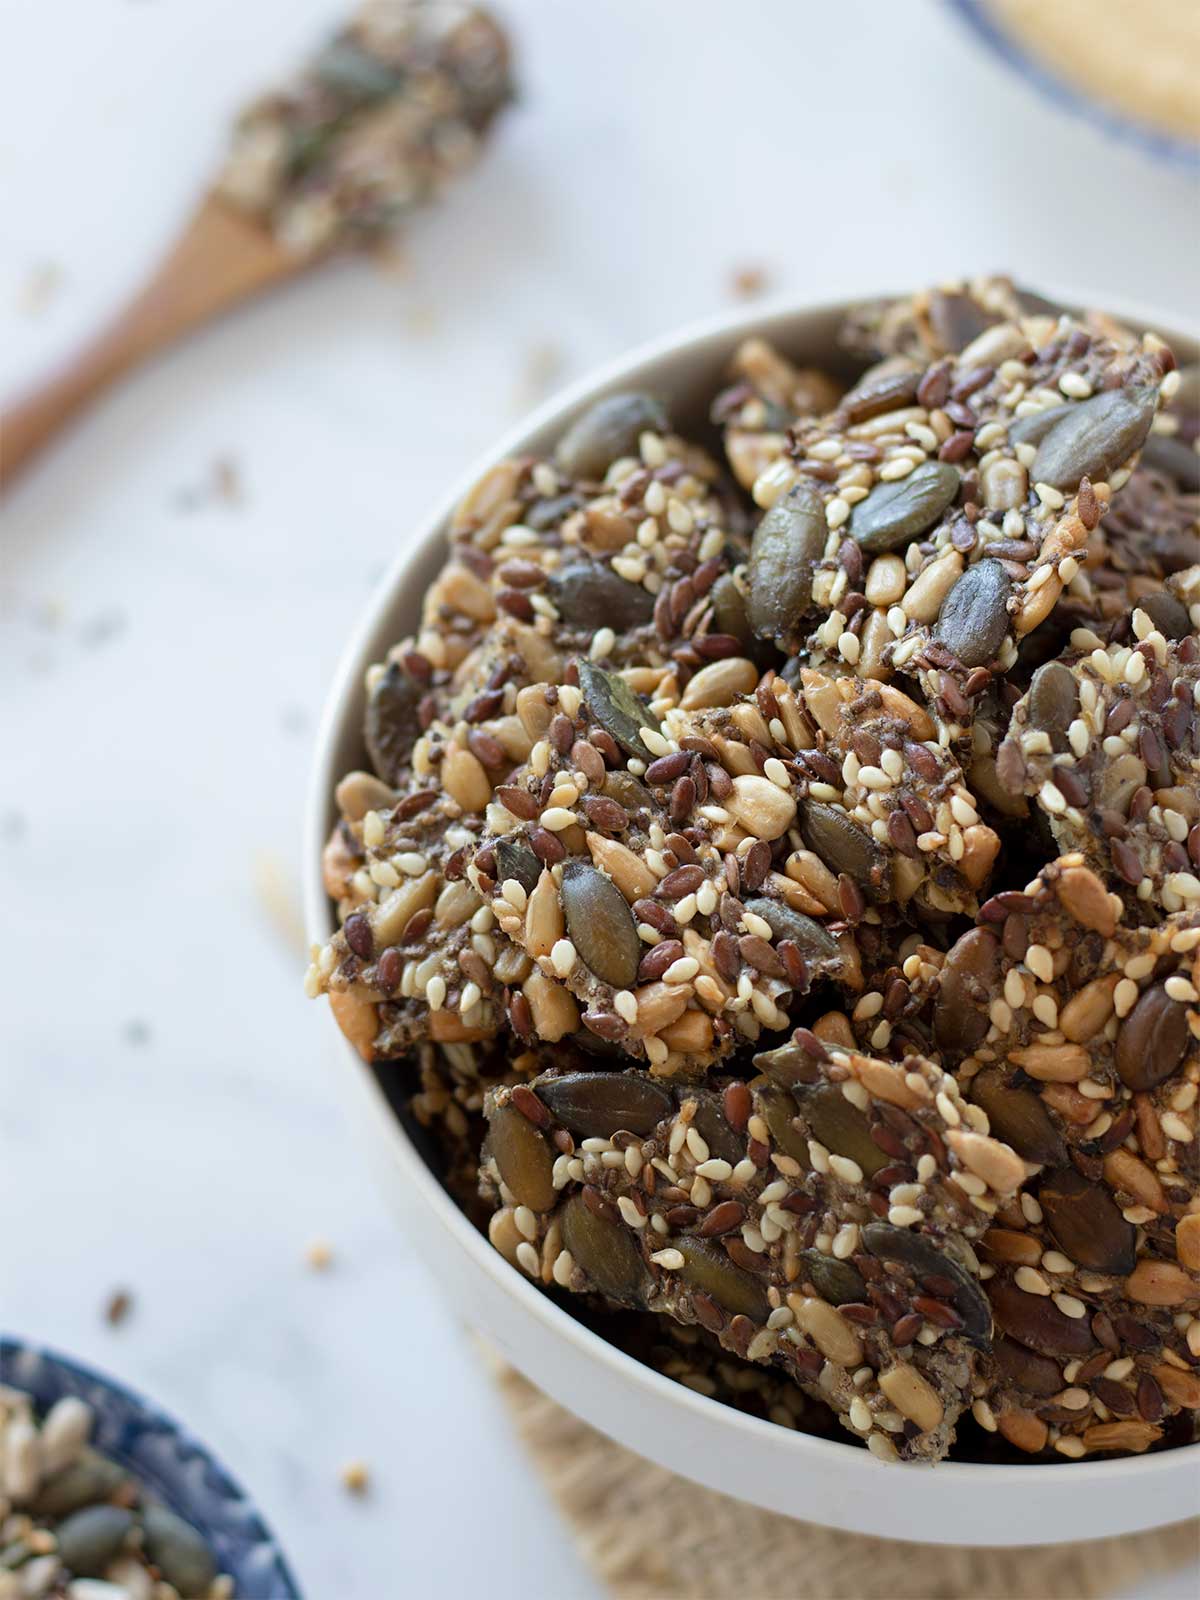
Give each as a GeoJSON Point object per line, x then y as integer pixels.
{"type": "Point", "coordinates": [1053, 702]}
{"type": "Point", "coordinates": [625, 789]}
{"type": "Point", "coordinates": [913, 1250]}
{"type": "Point", "coordinates": [973, 621]}
{"type": "Point", "coordinates": [600, 924]}
{"type": "Point", "coordinates": [1017, 1116]}
{"type": "Point", "coordinates": [1095, 437]}
{"type": "Point", "coordinates": [1034, 1374]}
{"type": "Point", "coordinates": [1168, 614]}
{"type": "Point", "coordinates": [88, 1540]}
{"type": "Point", "coordinates": [839, 1282]}
{"type": "Point", "coordinates": [179, 1552]}
{"type": "Point", "coordinates": [957, 318]}
{"type": "Point", "coordinates": [1087, 1222]}
{"type": "Point", "coordinates": [515, 859]}
{"type": "Point", "coordinates": [603, 1250]}
{"type": "Point", "coordinates": [787, 1066]}
{"type": "Point", "coordinates": [788, 543]}
{"type": "Point", "coordinates": [721, 1139]}
{"type": "Point", "coordinates": [844, 847]}
{"type": "Point", "coordinates": [965, 986]}
{"type": "Point", "coordinates": [90, 1478]}
{"type": "Point", "coordinates": [882, 388]}
{"type": "Point", "coordinates": [1175, 459]}
{"type": "Point", "coordinates": [708, 1268]}
{"type": "Point", "coordinates": [523, 1158]}
{"type": "Point", "coordinates": [392, 724]}
{"type": "Point", "coordinates": [588, 592]}
{"type": "Point", "coordinates": [894, 513]}
{"type": "Point", "coordinates": [606, 431]}
{"type": "Point", "coordinates": [729, 610]}
{"type": "Point", "coordinates": [1152, 1040]}
{"type": "Point", "coordinates": [815, 943]}
{"type": "Point", "coordinates": [1034, 428]}
{"type": "Point", "coordinates": [1034, 1320]}
{"type": "Point", "coordinates": [613, 704]}
{"type": "Point", "coordinates": [595, 1105]}
{"type": "Point", "coordinates": [841, 1127]}
{"type": "Point", "coordinates": [779, 1114]}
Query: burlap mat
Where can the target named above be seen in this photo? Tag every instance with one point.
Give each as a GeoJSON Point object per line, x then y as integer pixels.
{"type": "Point", "coordinates": [652, 1536]}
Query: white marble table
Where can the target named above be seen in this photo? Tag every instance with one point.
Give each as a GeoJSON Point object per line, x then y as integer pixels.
{"type": "Point", "coordinates": [168, 1118]}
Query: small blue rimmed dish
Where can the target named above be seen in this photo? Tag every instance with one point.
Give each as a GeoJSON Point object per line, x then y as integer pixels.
{"type": "Point", "coordinates": [172, 1465]}
{"type": "Point", "coordinates": [1163, 146]}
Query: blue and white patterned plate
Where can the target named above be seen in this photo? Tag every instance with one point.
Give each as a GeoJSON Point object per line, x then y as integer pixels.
{"type": "Point", "coordinates": [1163, 146]}
{"type": "Point", "coordinates": [168, 1460]}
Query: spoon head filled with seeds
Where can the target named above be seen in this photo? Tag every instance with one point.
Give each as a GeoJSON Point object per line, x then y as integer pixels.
{"type": "Point", "coordinates": [387, 114]}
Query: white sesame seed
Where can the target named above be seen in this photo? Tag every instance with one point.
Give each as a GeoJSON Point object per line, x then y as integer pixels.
{"type": "Point", "coordinates": [563, 957]}
{"type": "Point", "coordinates": [527, 1257]}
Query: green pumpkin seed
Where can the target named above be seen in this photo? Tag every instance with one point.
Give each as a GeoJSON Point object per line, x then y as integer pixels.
{"type": "Point", "coordinates": [788, 543]}
{"type": "Point", "coordinates": [88, 1479]}
{"type": "Point", "coordinates": [179, 1552]}
{"type": "Point", "coordinates": [522, 1157]}
{"type": "Point", "coordinates": [1152, 1040]}
{"type": "Point", "coordinates": [844, 847]}
{"type": "Point", "coordinates": [729, 610]}
{"type": "Point", "coordinates": [1018, 1117]}
{"type": "Point", "coordinates": [1094, 438]}
{"type": "Point", "coordinates": [1174, 458]}
{"type": "Point", "coordinates": [514, 859]}
{"type": "Point", "coordinates": [1168, 614]}
{"type": "Point", "coordinates": [587, 591]}
{"type": "Point", "coordinates": [957, 318]}
{"type": "Point", "coordinates": [595, 1105]}
{"type": "Point", "coordinates": [600, 924]}
{"type": "Point", "coordinates": [925, 1260]}
{"type": "Point", "coordinates": [1087, 1222]}
{"type": "Point", "coordinates": [1053, 702]}
{"type": "Point", "coordinates": [1033, 1374]}
{"type": "Point", "coordinates": [965, 985]}
{"type": "Point", "coordinates": [1034, 1320]}
{"type": "Point", "coordinates": [621, 713]}
{"type": "Point", "coordinates": [841, 1127]}
{"type": "Point", "coordinates": [787, 1066]}
{"type": "Point", "coordinates": [894, 513]}
{"type": "Point", "coordinates": [604, 1251]}
{"type": "Point", "coordinates": [607, 431]}
{"type": "Point", "coordinates": [88, 1540]}
{"type": "Point", "coordinates": [392, 723]}
{"type": "Point", "coordinates": [973, 621]}
{"type": "Point", "coordinates": [1034, 428]}
{"type": "Point", "coordinates": [706, 1267]}
{"type": "Point", "coordinates": [721, 1139]}
{"type": "Point", "coordinates": [779, 1114]}
{"type": "Point", "coordinates": [839, 1282]}
{"type": "Point", "coordinates": [881, 389]}
{"type": "Point", "coordinates": [815, 943]}
{"type": "Point", "coordinates": [624, 788]}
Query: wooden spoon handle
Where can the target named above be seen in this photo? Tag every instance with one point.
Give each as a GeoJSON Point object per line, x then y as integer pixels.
{"type": "Point", "coordinates": [220, 259]}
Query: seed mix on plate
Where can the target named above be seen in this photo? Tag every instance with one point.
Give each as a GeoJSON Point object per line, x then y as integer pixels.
{"type": "Point", "coordinates": [777, 890]}
{"type": "Point", "coordinates": [76, 1525]}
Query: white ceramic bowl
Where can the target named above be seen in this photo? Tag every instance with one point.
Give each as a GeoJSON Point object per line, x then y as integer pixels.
{"type": "Point", "coordinates": [819, 1480]}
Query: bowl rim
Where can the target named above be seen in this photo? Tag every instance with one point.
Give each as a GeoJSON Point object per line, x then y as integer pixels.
{"type": "Point", "coordinates": [766, 317]}
{"type": "Point", "coordinates": [13, 1346]}
{"type": "Point", "coordinates": [1172, 149]}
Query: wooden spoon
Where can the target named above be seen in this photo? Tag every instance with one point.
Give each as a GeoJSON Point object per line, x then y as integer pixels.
{"type": "Point", "coordinates": [387, 113]}
{"type": "Point", "coordinates": [221, 258]}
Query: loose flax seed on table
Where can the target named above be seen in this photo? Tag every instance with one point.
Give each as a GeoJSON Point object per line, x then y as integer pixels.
{"type": "Point", "coordinates": [774, 903]}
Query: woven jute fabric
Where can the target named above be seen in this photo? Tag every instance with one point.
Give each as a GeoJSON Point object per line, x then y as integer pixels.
{"type": "Point", "coordinates": [650, 1535]}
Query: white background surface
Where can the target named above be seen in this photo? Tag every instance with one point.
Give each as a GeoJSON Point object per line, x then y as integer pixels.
{"type": "Point", "coordinates": [169, 1117]}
